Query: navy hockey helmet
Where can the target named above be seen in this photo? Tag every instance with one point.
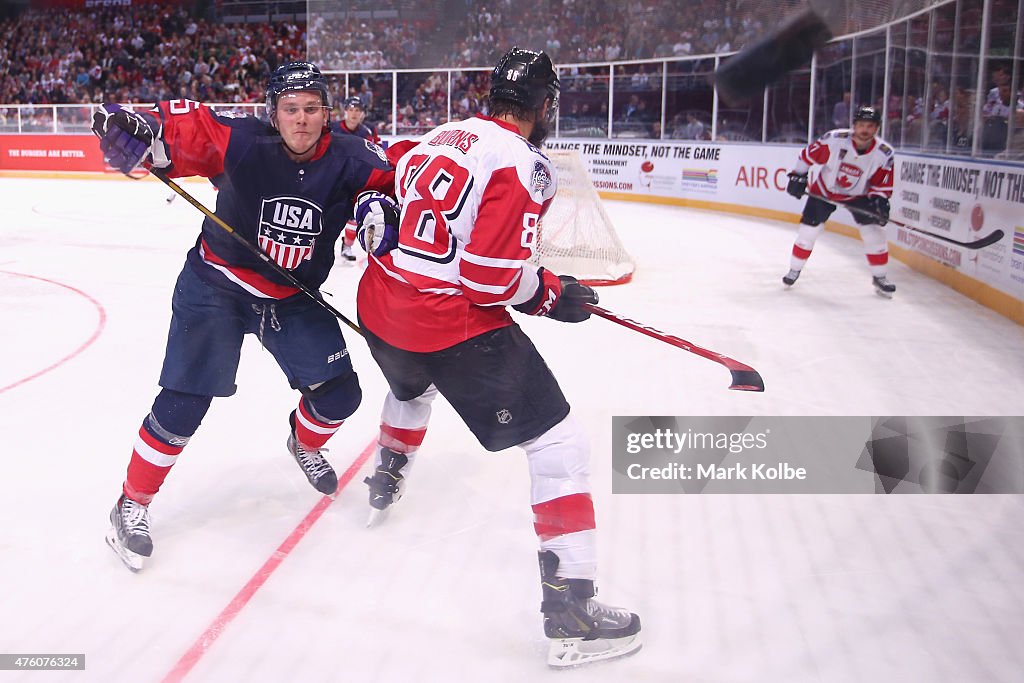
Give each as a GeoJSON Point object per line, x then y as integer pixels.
{"type": "Point", "coordinates": [353, 102]}
{"type": "Point", "coordinates": [295, 76]}
{"type": "Point", "coordinates": [868, 113]}
{"type": "Point", "coordinates": [526, 78]}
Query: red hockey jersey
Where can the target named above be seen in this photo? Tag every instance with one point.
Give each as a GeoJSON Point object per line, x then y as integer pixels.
{"type": "Point", "coordinates": [472, 194]}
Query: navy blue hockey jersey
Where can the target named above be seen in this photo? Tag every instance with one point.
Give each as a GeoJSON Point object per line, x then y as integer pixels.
{"type": "Point", "coordinates": [294, 212]}
{"type": "Point", "coordinates": [361, 131]}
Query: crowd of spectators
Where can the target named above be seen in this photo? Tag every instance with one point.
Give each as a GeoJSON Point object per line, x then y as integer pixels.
{"type": "Point", "coordinates": [577, 31]}
{"type": "Point", "coordinates": [151, 51]}
{"type": "Point", "coordinates": [338, 44]}
{"type": "Point", "coordinates": [423, 99]}
{"type": "Point", "coordinates": [140, 53]}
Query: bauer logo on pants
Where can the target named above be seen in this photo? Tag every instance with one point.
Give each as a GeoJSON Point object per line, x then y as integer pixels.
{"type": "Point", "coordinates": [289, 227]}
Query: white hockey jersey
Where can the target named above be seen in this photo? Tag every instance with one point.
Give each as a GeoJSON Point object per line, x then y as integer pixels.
{"type": "Point", "coordinates": [472, 194]}
{"type": "Point", "coordinates": [846, 173]}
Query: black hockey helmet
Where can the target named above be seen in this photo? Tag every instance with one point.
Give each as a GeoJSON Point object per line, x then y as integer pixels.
{"type": "Point", "coordinates": [353, 102]}
{"type": "Point", "coordinates": [526, 78]}
{"type": "Point", "coordinates": [295, 76]}
{"type": "Point", "coordinates": [868, 113]}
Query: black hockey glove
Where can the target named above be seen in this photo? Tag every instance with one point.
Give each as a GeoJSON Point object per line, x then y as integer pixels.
{"type": "Point", "coordinates": [125, 137]}
{"type": "Point", "coordinates": [569, 308]}
{"type": "Point", "coordinates": [559, 297]}
{"type": "Point", "coordinates": [797, 185]}
{"type": "Point", "coordinates": [880, 207]}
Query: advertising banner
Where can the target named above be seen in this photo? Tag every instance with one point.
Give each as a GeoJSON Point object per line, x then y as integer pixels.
{"type": "Point", "coordinates": [50, 153]}
{"type": "Point", "coordinates": [965, 201]}
{"type": "Point", "coordinates": [738, 175]}
{"type": "Point", "coordinates": [954, 198]}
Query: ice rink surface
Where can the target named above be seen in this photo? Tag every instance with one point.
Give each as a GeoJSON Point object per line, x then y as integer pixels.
{"type": "Point", "coordinates": [729, 588]}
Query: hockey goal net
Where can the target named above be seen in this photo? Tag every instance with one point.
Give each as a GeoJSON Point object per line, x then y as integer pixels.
{"type": "Point", "coordinates": [576, 237]}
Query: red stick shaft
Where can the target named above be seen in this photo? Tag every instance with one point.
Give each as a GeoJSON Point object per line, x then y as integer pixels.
{"type": "Point", "coordinates": [745, 378]}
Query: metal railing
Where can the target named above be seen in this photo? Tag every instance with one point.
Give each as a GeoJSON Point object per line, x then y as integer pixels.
{"type": "Point", "coordinates": [937, 75]}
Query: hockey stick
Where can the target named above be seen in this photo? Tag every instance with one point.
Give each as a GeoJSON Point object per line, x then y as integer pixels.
{"type": "Point", "coordinates": [253, 249]}
{"type": "Point", "coordinates": [986, 241]}
{"type": "Point", "coordinates": [744, 377]}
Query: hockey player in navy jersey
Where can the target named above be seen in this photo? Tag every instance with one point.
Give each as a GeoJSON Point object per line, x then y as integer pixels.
{"type": "Point", "coordinates": [435, 315]}
{"type": "Point", "coordinates": [287, 187]}
{"type": "Point", "coordinates": [856, 172]}
{"type": "Point", "coordinates": [353, 123]}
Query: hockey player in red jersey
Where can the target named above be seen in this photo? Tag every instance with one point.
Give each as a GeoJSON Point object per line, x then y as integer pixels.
{"type": "Point", "coordinates": [288, 188]}
{"type": "Point", "coordinates": [856, 172]}
{"type": "Point", "coordinates": [353, 123]}
{"type": "Point", "coordinates": [435, 314]}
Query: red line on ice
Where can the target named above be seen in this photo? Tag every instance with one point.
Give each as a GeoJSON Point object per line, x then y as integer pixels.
{"type": "Point", "coordinates": [227, 615]}
{"type": "Point", "coordinates": [88, 342]}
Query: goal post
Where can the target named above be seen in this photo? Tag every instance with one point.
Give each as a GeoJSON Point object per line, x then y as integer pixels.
{"type": "Point", "coordinates": [576, 237]}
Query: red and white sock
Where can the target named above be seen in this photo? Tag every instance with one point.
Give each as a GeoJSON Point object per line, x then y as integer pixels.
{"type": "Point", "coordinates": [566, 527]}
{"type": "Point", "coordinates": [152, 459]}
{"type": "Point", "coordinates": [403, 424]}
{"type": "Point", "coordinates": [799, 257]}
{"type": "Point", "coordinates": [401, 440]}
{"type": "Point", "coordinates": [563, 510]}
{"type": "Point", "coordinates": [806, 236]}
{"type": "Point", "coordinates": [313, 431]}
{"type": "Point", "coordinates": [878, 264]}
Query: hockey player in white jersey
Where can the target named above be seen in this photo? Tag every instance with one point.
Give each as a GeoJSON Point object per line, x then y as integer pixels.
{"type": "Point", "coordinates": [434, 312]}
{"type": "Point", "coordinates": [856, 172]}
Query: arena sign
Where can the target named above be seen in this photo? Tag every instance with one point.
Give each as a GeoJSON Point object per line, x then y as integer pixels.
{"type": "Point", "coordinates": [960, 199]}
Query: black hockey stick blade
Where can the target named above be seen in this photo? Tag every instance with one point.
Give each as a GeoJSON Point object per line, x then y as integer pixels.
{"type": "Point", "coordinates": [746, 380]}
{"type": "Point", "coordinates": [986, 241]}
{"type": "Point", "coordinates": [744, 377]}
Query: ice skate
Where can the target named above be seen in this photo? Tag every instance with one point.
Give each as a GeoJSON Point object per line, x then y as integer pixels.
{"type": "Point", "coordinates": [347, 255]}
{"type": "Point", "coordinates": [129, 534]}
{"type": "Point", "coordinates": [317, 470]}
{"type": "Point", "coordinates": [883, 286]}
{"type": "Point", "coordinates": [789, 278]}
{"type": "Point", "coordinates": [385, 485]}
{"type": "Point", "coordinates": [581, 629]}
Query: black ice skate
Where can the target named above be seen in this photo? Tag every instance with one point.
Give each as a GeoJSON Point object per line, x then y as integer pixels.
{"type": "Point", "coordinates": [317, 470]}
{"type": "Point", "coordinates": [129, 533]}
{"type": "Point", "coordinates": [582, 629]}
{"type": "Point", "coordinates": [789, 278]}
{"type": "Point", "coordinates": [883, 286]}
{"type": "Point", "coordinates": [385, 485]}
{"type": "Point", "coordinates": [347, 255]}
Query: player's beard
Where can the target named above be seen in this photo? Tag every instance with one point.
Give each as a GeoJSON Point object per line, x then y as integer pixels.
{"type": "Point", "coordinates": [540, 132]}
